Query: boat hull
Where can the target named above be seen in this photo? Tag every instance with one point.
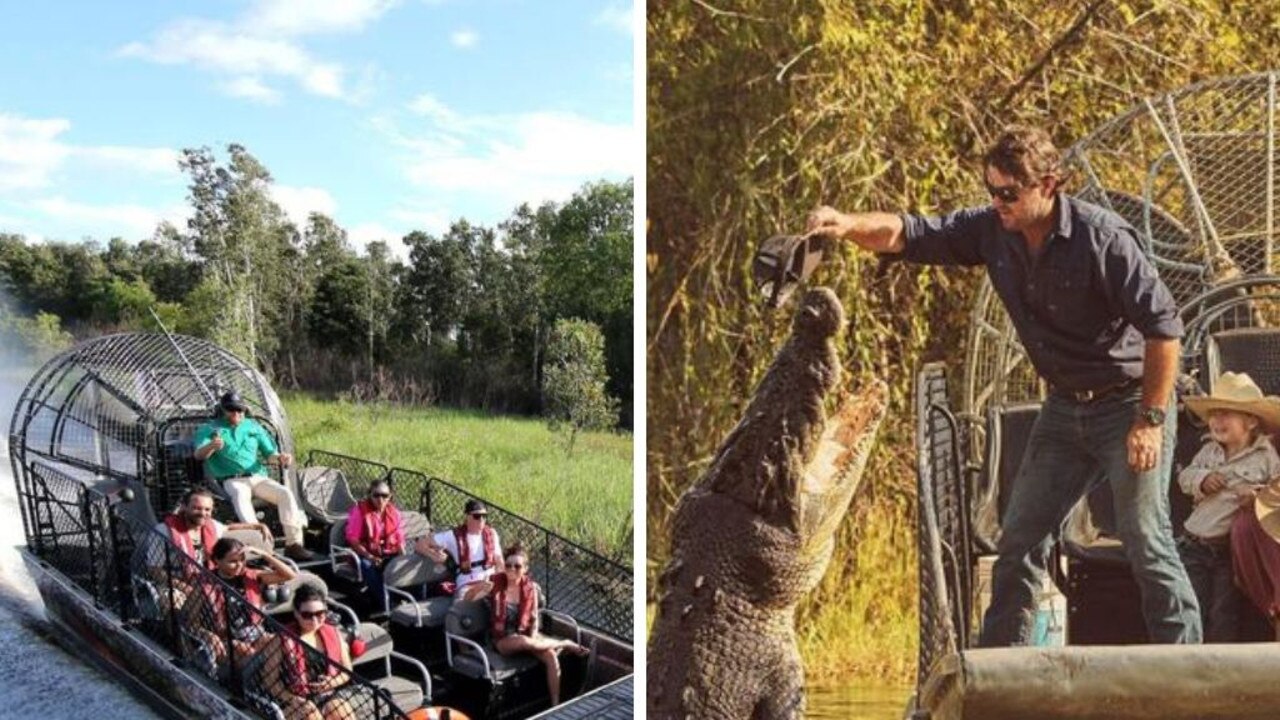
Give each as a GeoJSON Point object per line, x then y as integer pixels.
{"type": "Point", "coordinates": [1133, 682]}
{"type": "Point", "coordinates": [147, 670]}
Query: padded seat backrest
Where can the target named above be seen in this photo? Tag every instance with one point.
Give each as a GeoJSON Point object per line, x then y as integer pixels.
{"type": "Point", "coordinates": [1255, 351]}
{"type": "Point", "coordinates": [326, 495]}
{"type": "Point", "coordinates": [468, 618]}
{"type": "Point", "coordinates": [412, 569]}
{"type": "Point", "coordinates": [338, 534]}
{"type": "Point", "coordinates": [1008, 430]}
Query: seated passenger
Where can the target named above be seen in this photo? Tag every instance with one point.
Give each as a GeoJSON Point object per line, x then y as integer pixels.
{"type": "Point", "coordinates": [513, 626]}
{"type": "Point", "coordinates": [233, 447]}
{"type": "Point", "coordinates": [1226, 474]}
{"type": "Point", "coordinates": [193, 530]}
{"type": "Point", "coordinates": [376, 534]}
{"type": "Point", "coordinates": [306, 687]}
{"type": "Point", "coordinates": [210, 612]}
{"type": "Point", "coordinates": [473, 545]}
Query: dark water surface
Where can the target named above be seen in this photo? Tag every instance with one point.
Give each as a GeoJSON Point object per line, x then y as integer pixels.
{"type": "Point", "coordinates": [857, 702]}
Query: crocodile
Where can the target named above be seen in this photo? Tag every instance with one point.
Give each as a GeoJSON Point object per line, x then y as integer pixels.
{"type": "Point", "coordinates": [755, 534]}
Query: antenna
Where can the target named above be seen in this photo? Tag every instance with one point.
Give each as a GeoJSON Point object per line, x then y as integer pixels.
{"type": "Point", "coordinates": [190, 368]}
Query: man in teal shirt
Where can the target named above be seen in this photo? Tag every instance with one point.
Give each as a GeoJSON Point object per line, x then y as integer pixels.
{"type": "Point", "coordinates": [233, 448]}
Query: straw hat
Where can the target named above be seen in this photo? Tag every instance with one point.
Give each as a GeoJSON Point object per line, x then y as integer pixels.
{"type": "Point", "coordinates": [1238, 392]}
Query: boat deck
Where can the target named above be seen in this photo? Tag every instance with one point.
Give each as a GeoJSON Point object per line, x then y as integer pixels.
{"type": "Point", "coordinates": [615, 701]}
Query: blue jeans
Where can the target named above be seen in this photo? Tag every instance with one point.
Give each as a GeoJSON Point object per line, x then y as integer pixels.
{"type": "Point", "coordinates": [373, 580]}
{"type": "Point", "coordinates": [1209, 567]}
{"type": "Point", "coordinates": [1072, 448]}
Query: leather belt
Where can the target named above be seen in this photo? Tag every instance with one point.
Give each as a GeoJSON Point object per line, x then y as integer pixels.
{"type": "Point", "coordinates": [1088, 396]}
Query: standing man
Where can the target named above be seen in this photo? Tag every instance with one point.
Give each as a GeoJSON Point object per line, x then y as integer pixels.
{"type": "Point", "coordinates": [233, 447]}
{"type": "Point", "coordinates": [1103, 330]}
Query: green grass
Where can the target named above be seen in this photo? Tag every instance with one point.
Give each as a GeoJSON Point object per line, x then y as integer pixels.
{"type": "Point", "coordinates": [514, 462]}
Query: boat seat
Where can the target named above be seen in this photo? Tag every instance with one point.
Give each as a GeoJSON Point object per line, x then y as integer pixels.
{"type": "Point", "coordinates": [325, 494]}
{"type": "Point", "coordinates": [413, 570]}
{"type": "Point", "coordinates": [467, 625]}
{"type": "Point", "coordinates": [1253, 350]}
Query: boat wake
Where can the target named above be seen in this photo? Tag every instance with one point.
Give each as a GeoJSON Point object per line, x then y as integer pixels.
{"type": "Point", "coordinates": [38, 678]}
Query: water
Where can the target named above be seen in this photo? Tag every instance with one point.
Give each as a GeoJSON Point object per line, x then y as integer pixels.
{"type": "Point", "coordinates": [38, 679]}
{"type": "Point", "coordinates": [857, 702]}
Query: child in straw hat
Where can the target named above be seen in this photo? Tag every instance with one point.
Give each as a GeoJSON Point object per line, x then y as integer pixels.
{"type": "Point", "coordinates": [1237, 460]}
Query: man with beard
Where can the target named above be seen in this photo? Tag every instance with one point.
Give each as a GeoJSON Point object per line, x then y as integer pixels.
{"type": "Point", "coordinates": [1098, 325]}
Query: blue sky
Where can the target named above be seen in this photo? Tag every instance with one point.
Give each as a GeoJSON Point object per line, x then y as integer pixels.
{"type": "Point", "coordinates": [388, 115]}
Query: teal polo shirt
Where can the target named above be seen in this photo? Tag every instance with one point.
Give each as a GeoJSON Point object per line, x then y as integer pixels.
{"type": "Point", "coordinates": [243, 449]}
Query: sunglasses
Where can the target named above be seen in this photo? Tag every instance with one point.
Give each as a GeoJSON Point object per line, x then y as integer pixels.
{"type": "Point", "coordinates": [515, 566]}
{"type": "Point", "coordinates": [311, 614]}
{"type": "Point", "coordinates": [478, 516]}
{"type": "Point", "coordinates": [1005, 193]}
{"type": "Point", "coordinates": [383, 496]}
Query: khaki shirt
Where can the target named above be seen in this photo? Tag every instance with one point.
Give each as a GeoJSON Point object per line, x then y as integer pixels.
{"type": "Point", "coordinates": [1249, 469]}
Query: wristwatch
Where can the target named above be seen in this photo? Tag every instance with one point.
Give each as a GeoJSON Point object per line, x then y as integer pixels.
{"type": "Point", "coordinates": [1151, 416]}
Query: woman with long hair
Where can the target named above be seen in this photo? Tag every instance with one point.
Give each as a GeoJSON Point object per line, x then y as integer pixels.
{"type": "Point", "coordinates": [514, 618]}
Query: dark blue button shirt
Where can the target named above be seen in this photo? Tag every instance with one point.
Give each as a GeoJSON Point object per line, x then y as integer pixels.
{"type": "Point", "coordinates": [1082, 307]}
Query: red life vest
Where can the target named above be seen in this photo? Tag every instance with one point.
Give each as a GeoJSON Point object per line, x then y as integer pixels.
{"type": "Point", "coordinates": [528, 597]}
{"type": "Point", "coordinates": [464, 548]}
{"type": "Point", "coordinates": [178, 529]}
{"type": "Point", "coordinates": [381, 536]}
{"type": "Point", "coordinates": [252, 593]}
{"type": "Point", "coordinates": [331, 643]}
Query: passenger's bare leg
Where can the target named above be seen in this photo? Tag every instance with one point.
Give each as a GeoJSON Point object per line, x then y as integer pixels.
{"type": "Point", "coordinates": [339, 709]}
{"type": "Point", "coordinates": [300, 708]}
{"type": "Point", "coordinates": [552, 661]}
{"type": "Point", "coordinates": [512, 644]}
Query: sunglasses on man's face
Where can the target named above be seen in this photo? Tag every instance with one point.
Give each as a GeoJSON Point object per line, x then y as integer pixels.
{"type": "Point", "coordinates": [311, 614]}
{"type": "Point", "coordinates": [1005, 193]}
{"type": "Point", "coordinates": [478, 516]}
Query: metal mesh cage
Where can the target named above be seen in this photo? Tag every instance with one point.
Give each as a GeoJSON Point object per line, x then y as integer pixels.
{"type": "Point", "coordinates": [1194, 172]}
{"type": "Point", "coordinates": [98, 542]}
{"type": "Point", "coordinates": [96, 411]}
{"type": "Point", "coordinates": [943, 542]}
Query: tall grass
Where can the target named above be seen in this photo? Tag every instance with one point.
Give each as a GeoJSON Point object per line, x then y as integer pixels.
{"type": "Point", "coordinates": [514, 462]}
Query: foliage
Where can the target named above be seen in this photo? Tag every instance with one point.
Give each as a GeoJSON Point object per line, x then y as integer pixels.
{"type": "Point", "coordinates": [574, 390]}
{"type": "Point", "coordinates": [514, 462]}
{"type": "Point", "coordinates": [464, 322]}
{"type": "Point", "coordinates": [759, 110]}
{"type": "Point", "coordinates": [30, 339]}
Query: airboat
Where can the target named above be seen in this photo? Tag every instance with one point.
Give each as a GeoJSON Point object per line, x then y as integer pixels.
{"type": "Point", "coordinates": [1194, 171]}
{"type": "Point", "coordinates": [101, 447]}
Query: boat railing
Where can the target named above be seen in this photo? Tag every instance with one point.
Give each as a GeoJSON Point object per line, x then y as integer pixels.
{"type": "Point", "coordinates": [133, 570]}
{"type": "Point", "coordinates": [577, 581]}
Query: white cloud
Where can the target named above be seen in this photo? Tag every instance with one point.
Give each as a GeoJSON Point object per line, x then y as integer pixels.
{"type": "Point", "coordinates": [530, 157]}
{"type": "Point", "coordinates": [434, 221]}
{"type": "Point", "coordinates": [130, 221]}
{"type": "Point", "coordinates": [463, 38]}
{"type": "Point", "coordinates": [290, 17]}
{"type": "Point", "coordinates": [240, 55]}
{"type": "Point", "coordinates": [156, 161]}
{"type": "Point", "coordinates": [31, 151]}
{"type": "Point", "coordinates": [619, 17]}
{"type": "Point", "coordinates": [364, 233]}
{"type": "Point", "coordinates": [299, 202]}
{"type": "Point", "coordinates": [263, 43]}
{"type": "Point", "coordinates": [251, 88]}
